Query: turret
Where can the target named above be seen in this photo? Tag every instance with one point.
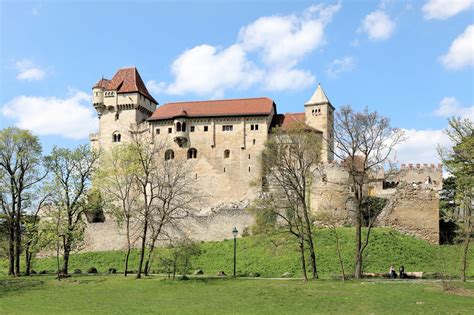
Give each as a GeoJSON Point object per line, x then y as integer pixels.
{"type": "Point", "coordinates": [319, 114]}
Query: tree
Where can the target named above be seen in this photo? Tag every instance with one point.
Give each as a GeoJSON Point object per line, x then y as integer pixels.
{"type": "Point", "coordinates": [116, 180]}
{"type": "Point", "coordinates": [20, 172]}
{"type": "Point", "coordinates": [289, 161]}
{"type": "Point", "coordinates": [447, 211]}
{"type": "Point", "coordinates": [363, 141]}
{"type": "Point", "coordinates": [71, 171]}
{"type": "Point", "coordinates": [459, 161]}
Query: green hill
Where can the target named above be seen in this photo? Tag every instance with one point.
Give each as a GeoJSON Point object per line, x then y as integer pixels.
{"type": "Point", "coordinates": [271, 256]}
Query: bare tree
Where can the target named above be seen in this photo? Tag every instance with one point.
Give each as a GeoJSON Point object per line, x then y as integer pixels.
{"type": "Point", "coordinates": [116, 180]}
{"type": "Point", "coordinates": [289, 162]}
{"type": "Point", "coordinates": [363, 141]}
{"type": "Point", "coordinates": [176, 199]}
{"type": "Point", "coordinates": [71, 172]}
{"type": "Point", "coordinates": [20, 170]}
{"type": "Point", "coordinates": [459, 160]}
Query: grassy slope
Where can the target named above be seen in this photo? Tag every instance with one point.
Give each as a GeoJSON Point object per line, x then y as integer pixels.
{"type": "Point", "coordinates": [119, 295]}
{"type": "Point", "coordinates": [272, 256]}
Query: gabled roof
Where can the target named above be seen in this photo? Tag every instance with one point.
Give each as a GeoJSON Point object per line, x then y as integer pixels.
{"type": "Point", "coordinates": [261, 106]}
{"type": "Point", "coordinates": [319, 97]}
{"type": "Point", "coordinates": [126, 80]}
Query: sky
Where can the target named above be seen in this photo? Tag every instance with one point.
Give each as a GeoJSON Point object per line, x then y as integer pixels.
{"type": "Point", "coordinates": [411, 61]}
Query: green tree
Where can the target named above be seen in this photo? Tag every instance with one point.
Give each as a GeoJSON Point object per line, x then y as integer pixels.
{"type": "Point", "coordinates": [71, 172]}
{"type": "Point", "coordinates": [459, 161]}
{"type": "Point", "coordinates": [20, 172]}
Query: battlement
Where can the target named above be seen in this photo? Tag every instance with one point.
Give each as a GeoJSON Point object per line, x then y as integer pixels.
{"type": "Point", "coordinates": [431, 166]}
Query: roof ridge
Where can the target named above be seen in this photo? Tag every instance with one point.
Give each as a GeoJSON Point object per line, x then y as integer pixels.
{"type": "Point", "coordinates": [221, 100]}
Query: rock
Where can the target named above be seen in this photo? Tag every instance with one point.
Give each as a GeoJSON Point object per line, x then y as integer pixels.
{"type": "Point", "coordinates": [92, 270]}
{"type": "Point", "coordinates": [112, 270]}
{"type": "Point", "coordinates": [286, 275]}
{"type": "Point", "coordinates": [198, 272]}
{"type": "Point", "coordinates": [77, 271]}
{"type": "Point", "coordinates": [221, 274]}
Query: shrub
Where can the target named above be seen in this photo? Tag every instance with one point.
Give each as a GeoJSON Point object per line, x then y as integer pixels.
{"type": "Point", "coordinates": [77, 271]}
{"type": "Point", "coordinates": [92, 270]}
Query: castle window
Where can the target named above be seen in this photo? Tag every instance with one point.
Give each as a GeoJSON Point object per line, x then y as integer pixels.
{"type": "Point", "coordinates": [192, 128]}
{"type": "Point", "coordinates": [157, 131]}
{"type": "Point", "coordinates": [170, 130]}
{"type": "Point", "coordinates": [251, 127]}
{"type": "Point", "coordinates": [116, 137]}
{"type": "Point", "coordinates": [178, 126]}
{"type": "Point", "coordinates": [192, 153]}
{"type": "Point", "coordinates": [249, 156]}
{"type": "Point", "coordinates": [169, 155]}
{"type": "Point", "coordinates": [254, 141]}
{"type": "Point", "coordinates": [254, 127]}
{"type": "Point", "coordinates": [183, 127]}
{"type": "Point", "coordinates": [206, 128]}
{"type": "Point", "coordinates": [224, 169]}
{"type": "Point", "coordinates": [227, 128]}
{"type": "Point", "coordinates": [249, 169]}
{"type": "Point", "coordinates": [226, 154]}
{"type": "Point", "coordinates": [117, 116]}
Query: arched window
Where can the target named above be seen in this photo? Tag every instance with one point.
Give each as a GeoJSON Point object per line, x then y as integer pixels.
{"type": "Point", "coordinates": [192, 153]}
{"type": "Point", "coordinates": [169, 155]}
{"type": "Point", "coordinates": [226, 154]}
{"type": "Point", "coordinates": [178, 126]}
{"type": "Point", "coordinates": [116, 137]}
{"type": "Point", "coordinates": [183, 127]}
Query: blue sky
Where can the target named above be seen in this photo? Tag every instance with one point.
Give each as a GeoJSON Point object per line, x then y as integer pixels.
{"type": "Point", "coordinates": [410, 60]}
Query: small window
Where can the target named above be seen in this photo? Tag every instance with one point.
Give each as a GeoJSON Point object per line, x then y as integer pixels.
{"type": "Point", "coordinates": [96, 93]}
{"type": "Point", "coordinates": [117, 116]}
{"type": "Point", "coordinates": [249, 156]}
{"type": "Point", "coordinates": [254, 141]}
{"type": "Point", "coordinates": [252, 127]}
{"type": "Point", "coordinates": [206, 128]}
{"type": "Point", "coordinates": [169, 155]}
{"type": "Point", "coordinates": [227, 128]}
{"type": "Point", "coordinates": [192, 128]}
{"type": "Point", "coordinates": [224, 169]}
{"type": "Point", "coordinates": [157, 131]}
{"type": "Point", "coordinates": [116, 137]}
{"type": "Point", "coordinates": [183, 127]}
{"type": "Point", "coordinates": [256, 127]}
{"type": "Point", "coordinates": [192, 153]}
{"type": "Point", "coordinates": [249, 169]}
{"type": "Point", "coordinates": [178, 127]}
{"type": "Point", "coordinates": [226, 154]}
{"type": "Point", "coordinates": [170, 130]}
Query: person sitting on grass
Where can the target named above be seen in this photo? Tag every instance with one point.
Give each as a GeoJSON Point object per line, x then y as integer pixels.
{"type": "Point", "coordinates": [402, 272]}
{"type": "Point", "coordinates": [393, 274]}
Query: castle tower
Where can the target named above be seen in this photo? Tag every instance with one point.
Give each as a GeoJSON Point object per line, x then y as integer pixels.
{"type": "Point", "coordinates": [319, 114]}
{"type": "Point", "coordinates": [120, 103]}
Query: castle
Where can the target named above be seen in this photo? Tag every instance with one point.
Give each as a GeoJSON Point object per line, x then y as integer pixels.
{"type": "Point", "coordinates": [223, 139]}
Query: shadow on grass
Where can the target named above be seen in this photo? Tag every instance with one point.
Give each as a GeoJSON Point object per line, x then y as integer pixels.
{"type": "Point", "coordinates": [14, 285]}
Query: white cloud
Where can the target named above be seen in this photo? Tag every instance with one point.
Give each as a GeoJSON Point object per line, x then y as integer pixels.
{"type": "Point", "coordinates": [461, 52]}
{"type": "Point", "coordinates": [266, 54]}
{"type": "Point", "coordinates": [378, 25]}
{"type": "Point", "coordinates": [420, 146]}
{"type": "Point", "coordinates": [339, 66]}
{"type": "Point", "coordinates": [207, 70]}
{"type": "Point", "coordinates": [28, 71]}
{"type": "Point", "coordinates": [71, 117]}
{"type": "Point", "coordinates": [444, 9]}
{"type": "Point", "coordinates": [449, 106]}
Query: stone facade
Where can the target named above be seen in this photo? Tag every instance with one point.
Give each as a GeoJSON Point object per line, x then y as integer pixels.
{"type": "Point", "coordinates": [223, 142]}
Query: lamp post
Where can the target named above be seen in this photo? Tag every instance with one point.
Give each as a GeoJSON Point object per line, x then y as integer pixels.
{"type": "Point", "coordinates": [235, 232]}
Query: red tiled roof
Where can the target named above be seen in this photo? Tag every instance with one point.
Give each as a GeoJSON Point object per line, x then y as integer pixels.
{"type": "Point", "coordinates": [232, 107]}
{"type": "Point", "coordinates": [126, 80]}
{"type": "Point", "coordinates": [290, 120]}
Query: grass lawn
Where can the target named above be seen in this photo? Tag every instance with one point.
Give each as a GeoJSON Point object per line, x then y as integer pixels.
{"type": "Point", "coordinates": [271, 256]}
{"type": "Point", "coordinates": [119, 295]}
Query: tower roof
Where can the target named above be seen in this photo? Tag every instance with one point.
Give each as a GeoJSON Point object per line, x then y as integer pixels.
{"type": "Point", "coordinates": [319, 97]}
{"type": "Point", "coordinates": [126, 80]}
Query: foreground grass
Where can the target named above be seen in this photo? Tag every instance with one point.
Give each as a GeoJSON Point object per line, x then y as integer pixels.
{"type": "Point", "coordinates": [120, 295]}
{"type": "Point", "coordinates": [271, 256]}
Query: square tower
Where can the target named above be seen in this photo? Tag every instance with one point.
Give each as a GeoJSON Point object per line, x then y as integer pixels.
{"type": "Point", "coordinates": [319, 114]}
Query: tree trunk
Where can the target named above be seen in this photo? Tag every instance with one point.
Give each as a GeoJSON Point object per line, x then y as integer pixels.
{"type": "Point", "coordinates": [338, 249]}
{"type": "Point", "coordinates": [67, 250]}
{"type": "Point", "coordinates": [148, 259]}
{"type": "Point", "coordinates": [28, 257]}
{"type": "Point", "coordinates": [127, 256]}
{"type": "Point", "coordinates": [303, 260]}
{"type": "Point", "coordinates": [17, 246]}
{"type": "Point", "coordinates": [314, 270]}
{"type": "Point", "coordinates": [467, 238]}
{"type": "Point", "coordinates": [11, 249]}
{"type": "Point", "coordinates": [142, 250]}
{"type": "Point", "coordinates": [358, 262]}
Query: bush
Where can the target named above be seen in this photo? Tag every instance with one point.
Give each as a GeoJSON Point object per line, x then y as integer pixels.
{"type": "Point", "coordinates": [112, 270]}
{"type": "Point", "coordinates": [77, 271]}
{"type": "Point", "coordinates": [92, 270]}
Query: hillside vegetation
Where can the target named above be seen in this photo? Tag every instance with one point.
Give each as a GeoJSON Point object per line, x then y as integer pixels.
{"type": "Point", "coordinates": [271, 256]}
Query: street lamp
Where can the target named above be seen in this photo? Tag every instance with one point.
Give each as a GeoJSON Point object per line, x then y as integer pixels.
{"type": "Point", "coordinates": [235, 232]}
